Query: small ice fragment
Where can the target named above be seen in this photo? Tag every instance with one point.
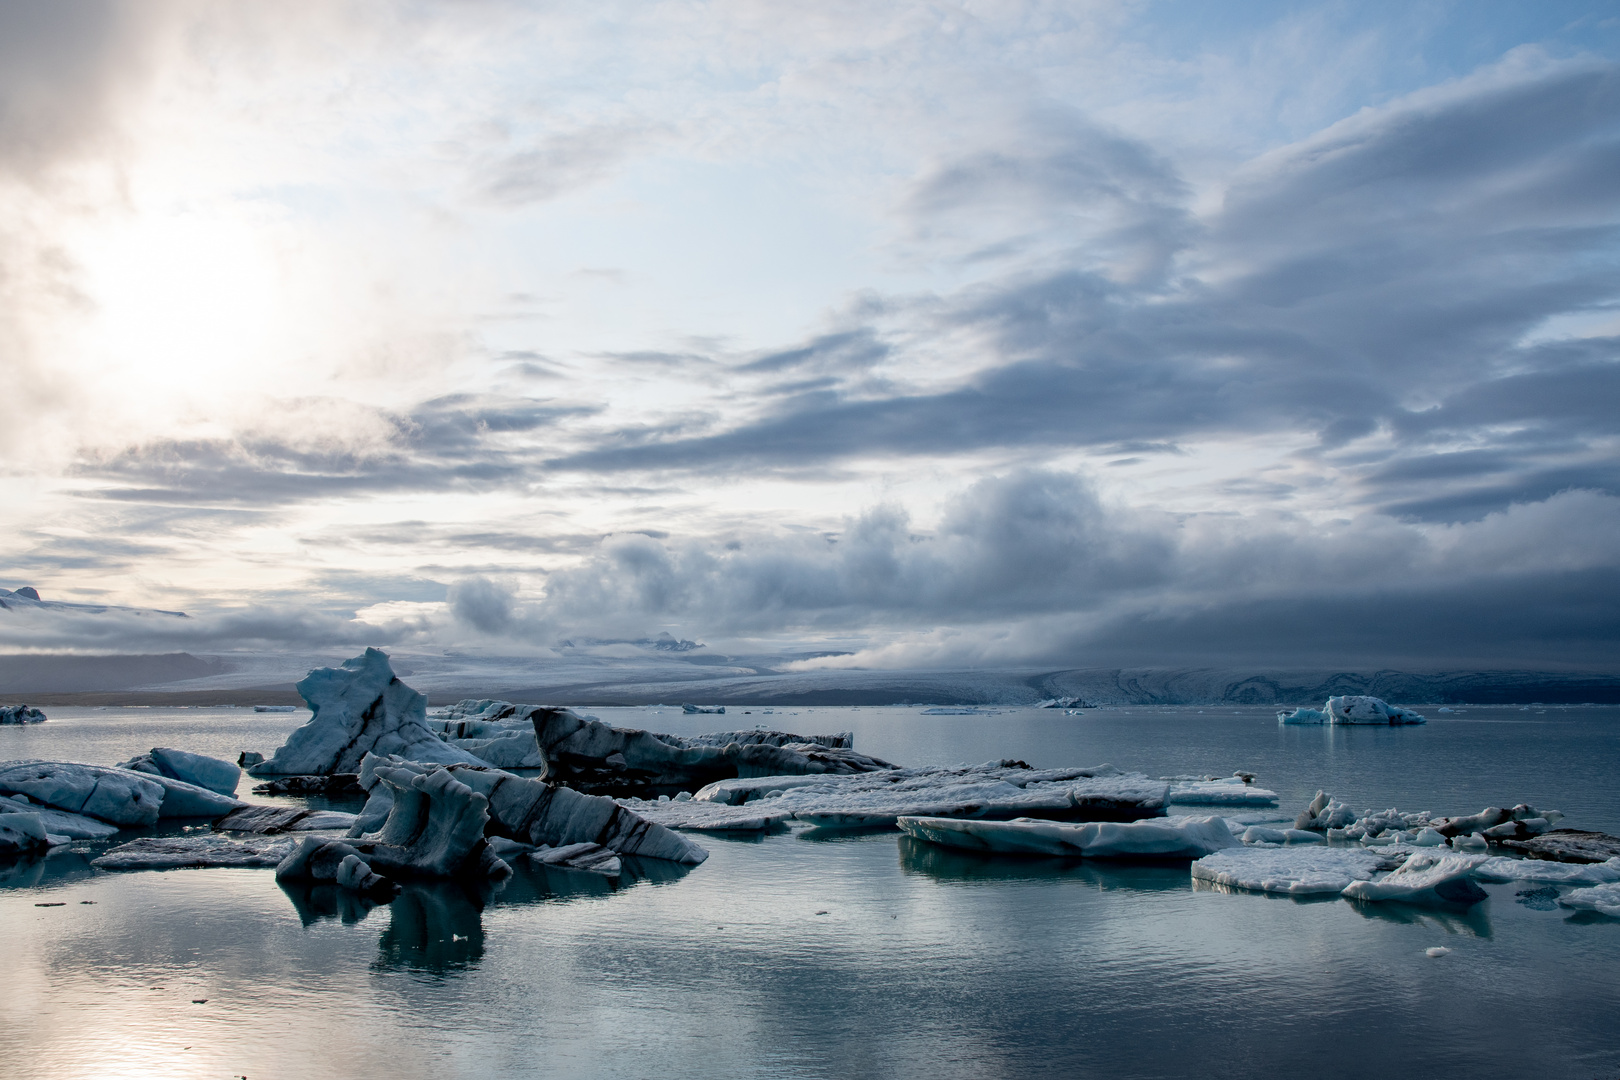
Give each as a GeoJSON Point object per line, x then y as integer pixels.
{"type": "Point", "coordinates": [1437, 951]}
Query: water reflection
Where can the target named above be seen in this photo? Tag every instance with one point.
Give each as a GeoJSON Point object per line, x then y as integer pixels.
{"type": "Point", "coordinates": [434, 926]}
{"type": "Point", "coordinates": [61, 866]}
{"type": "Point", "coordinates": [315, 901]}
{"type": "Point", "coordinates": [947, 864]}
{"type": "Point", "coordinates": [1472, 921]}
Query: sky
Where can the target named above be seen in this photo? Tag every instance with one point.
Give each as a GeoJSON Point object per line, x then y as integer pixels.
{"type": "Point", "coordinates": [867, 335]}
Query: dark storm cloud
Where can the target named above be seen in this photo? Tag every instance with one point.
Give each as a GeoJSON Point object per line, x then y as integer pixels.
{"type": "Point", "coordinates": [1405, 253]}
{"type": "Point", "coordinates": [450, 443]}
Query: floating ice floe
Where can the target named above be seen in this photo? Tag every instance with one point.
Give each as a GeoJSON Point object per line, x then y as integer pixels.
{"type": "Point", "coordinates": [584, 856]}
{"type": "Point", "coordinates": [716, 709]}
{"type": "Point", "coordinates": [194, 852]}
{"type": "Point", "coordinates": [116, 796]}
{"type": "Point", "coordinates": [20, 714]}
{"type": "Point", "coordinates": [1569, 845]}
{"type": "Point", "coordinates": [1421, 829]}
{"type": "Point", "coordinates": [1186, 838]}
{"type": "Point", "coordinates": [957, 710]}
{"type": "Point", "coordinates": [993, 791]}
{"type": "Point", "coordinates": [1603, 899]}
{"type": "Point", "coordinates": [1219, 791]}
{"type": "Point", "coordinates": [589, 755]}
{"type": "Point", "coordinates": [1260, 834]}
{"type": "Point", "coordinates": [275, 708]}
{"type": "Point", "coordinates": [1295, 870]}
{"type": "Point", "coordinates": [1352, 709]}
{"type": "Point", "coordinates": [1501, 868]}
{"type": "Point", "coordinates": [537, 813]}
{"type": "Point", "coordinates": [217, 776]}
{"type": "Point", "coordinates": [357, 709]}
{"type": "Point", "coordinates": [1426, 877]}
{"type": "Point", "coordinates": [338, 784]}
{"type": "Point", "coordinates": [270, 820]}
{"type": "Point", "coordinates": [58, 822]}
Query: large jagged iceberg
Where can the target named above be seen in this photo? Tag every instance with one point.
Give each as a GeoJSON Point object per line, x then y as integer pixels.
{"type": "Point", "coordinates": [992, 791]}
{"type": "Point", "coordinates": [1184, 838]}
{"type": "Point", "coordinates": [537, 813]}
{"type": "Point", "coordinates": [357, 709]}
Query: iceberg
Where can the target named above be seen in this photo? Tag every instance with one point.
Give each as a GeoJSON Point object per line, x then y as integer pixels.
{"type": "Point", "coordinates": [1187, 838]}
{"type": "Point", "coordinates": [1603, 899]}
{"type": "Point", "coordinates": [1260, 834]}
{"type": "Point", "coordinates": [116, 796]}
{"type": "Point", "coordinates": [193, 852]}
{"type": "Point", "coordinates": [1363, 709]}
{"type": "Point", "coordinates": [1569, 846]}
{"type": "Point", "coordinates": [59, 822]}
{"type": "Point", "coordinates": [717, 709]}
{"type": "Point", "coordinates": [1502, 868]}
{"type": "Point", "coordinates": [537, 813]}
{"type": "Point", "coordinates": [435, 828]}
{"type": "Point", "coordinates": [220, 777]}
{"type": "Point", "coordinates": [1303, 716]}
{"type": "Point", "coordinates": [339, 784]}
{"type": "Point", "coordinates": [20, 714]}
{"type": "Point", "coordinates": [1292, 870]}
{"type": "Point", "coordinates": [1426, 877]}
{"type": "Point", "coordinates": [359, 708]}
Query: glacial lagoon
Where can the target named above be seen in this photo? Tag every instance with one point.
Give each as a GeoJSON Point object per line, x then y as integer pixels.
{"type": "Point", "coordinates": [817, 953]}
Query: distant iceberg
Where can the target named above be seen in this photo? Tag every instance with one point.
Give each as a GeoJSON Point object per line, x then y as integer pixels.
{"type": "Point", "coordinates": [1353, 709]}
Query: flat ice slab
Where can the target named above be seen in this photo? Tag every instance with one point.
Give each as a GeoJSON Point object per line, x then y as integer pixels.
{"type": "Point", "coordinates": [1426, 877]}
{"type": "Point", "coordinates": [1505, 869]}
{"type": "Point", "coordinates": [1302, 870]}
{"type": "Point", "coordinates": [993, 791]}
{"type": "Point", "coordinates": [1603, 899]}
{"type": "Point", "coordinates": [1187, 838]}
{"type": "Point", "coordinates": [183, 852]}
{"type": "Point", "coordinates": [1230, 791]}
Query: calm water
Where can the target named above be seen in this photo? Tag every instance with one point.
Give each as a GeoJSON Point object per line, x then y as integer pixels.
{"type": "Point", "coordinates": [809, 954]}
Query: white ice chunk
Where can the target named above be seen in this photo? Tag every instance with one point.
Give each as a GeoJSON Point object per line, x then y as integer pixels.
{"type": "Point", "coordinates": [1228, 792]}
{"type": "Point", "coordinates": [1303, 716]}
{"type": "Point", "coordinates": [1505, 869]}
{"type": "Point", "coordinates": [1188, 838]}
{"type": "Point", "coordinates": [1260, 834]}
{"type": "Point", "coordinates": [22, 833]}
{"type": "Point", "coordinates": [1434, 952]}
{"type": "Point", "coordinates": [1426, 877]}
{"type": "Point", "coordinates": [1295, 870]}
{"type": "Point", "coordinates": [1604, 899]}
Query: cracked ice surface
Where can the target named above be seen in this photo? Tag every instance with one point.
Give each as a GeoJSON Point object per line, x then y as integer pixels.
{"type": "Point", "coordinates": [1187, 838]}
{"type": "Point", "coordinates": [186, 852]}
{"type": "Point", "coordinates": [1502, 868]}
{"type": "Point", "coordinates": [1302, 870]}
{"type": "Point", "coordinates": [995, 790]}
